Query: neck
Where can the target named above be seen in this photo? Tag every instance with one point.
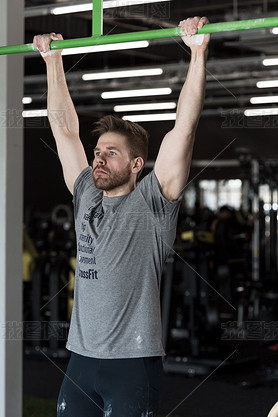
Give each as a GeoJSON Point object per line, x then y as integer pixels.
{"type": "Point", "coordinates": [119, 191]}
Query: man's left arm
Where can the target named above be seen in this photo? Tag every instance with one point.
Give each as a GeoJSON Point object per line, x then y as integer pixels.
{"type": "Point", "coordinates": [173, 161]}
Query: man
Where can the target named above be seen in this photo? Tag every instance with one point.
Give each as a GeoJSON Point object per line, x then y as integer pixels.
{"type": "Point", "coordinates": [124, 232]}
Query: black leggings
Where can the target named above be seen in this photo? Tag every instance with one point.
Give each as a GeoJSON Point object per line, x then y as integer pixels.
{"type": "Point", "coordinates": [110, 387]}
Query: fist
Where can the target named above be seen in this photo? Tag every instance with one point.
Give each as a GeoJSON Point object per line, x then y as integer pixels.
{"type": "Point", "coordinates": [42, 42]}
{"type": "Point", "coordinates": [189, 29]}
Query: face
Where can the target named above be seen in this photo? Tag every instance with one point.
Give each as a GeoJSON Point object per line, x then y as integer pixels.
{"type": "Point", "coordinates": [112, 163]}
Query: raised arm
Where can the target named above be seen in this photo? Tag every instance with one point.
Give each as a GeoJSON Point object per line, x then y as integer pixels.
{"type": "Point", "coordinates": [61, 112]}
{"type": "Point", "coordinates": [173, 161]}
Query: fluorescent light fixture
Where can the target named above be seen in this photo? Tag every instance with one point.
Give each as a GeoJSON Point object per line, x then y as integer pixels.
{"type": "Point", "coordinates": [150, 117]}
{"type": "Point", "coordinates": [72, 9]}
{"type": "Point", "coordinates": [274, 31]}
{"type": "Point", "coordinates": [122, 74]}
{"type": "Point", "coordinates": [103, 48]}
{"type": "Point", "coordinates": [270, 61]}
{"type": "Point", "coordinates": [264, 100]}
{"type": "Point", "coordinates": [273, 111]}
{"type": "Point", "coordinates": [35, 113]}
{"type": "Point", "coordinates": [136, 93]}
{"type": "Point", "coordinates": [87, 6]}
{"type": "Point", "coordinates": [27, 100]}
{"type": "Point", "coordinates": [145, 106]}
{"type": "Point", "coordinates": [267, 84]}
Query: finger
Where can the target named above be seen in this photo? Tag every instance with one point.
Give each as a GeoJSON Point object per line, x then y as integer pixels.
{"type": "Point", "coordinates": [187, 26]}
{"type": "Point", "coordinates": [182, 24]}
{"type": "Point", "coordinates": [35, 41]}
{"type": "Point", "coordinates": [43, 43]}
{"type": "Point", "coordinates": [46, 39]}
{"type": "Point", "coordinates": [203, 21]}
{"type": "Point", "coordinates": [38, 42]}
{"type": "Point", "coordinates": [194, 25]}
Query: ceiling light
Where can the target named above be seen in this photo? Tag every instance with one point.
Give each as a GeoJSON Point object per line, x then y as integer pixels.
{"type": "Point", "coordinates": [263, 100]}
{"type": "Point", "coordinates": [270, 61]}
{"type": "Point", "coordinates": [102, 48]}
{"type": "Point", "coordinates": [273, 111]}
{"type": "Point", "coordinates": [27, 100]}
{"type": "Point", "coordinates": [122, 74]}
{"type": "Point", "coordinates": [274, 31]}
{"type": "Point", "coordinates": [72, 9]}
{"type": "Point", "coordinates": [87, 6]}
{"type": "Point", "coordinates": [267, 84]}
{"type": "Point", "coordinates": [35, 113]}
{"type": "Point", "coordinates": [145, 106]}
{"type": "Point", "coordinates": [150, 117]}
{"type": "Point", "coordinates": [136, 93]}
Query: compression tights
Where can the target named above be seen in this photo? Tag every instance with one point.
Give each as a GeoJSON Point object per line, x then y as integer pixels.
{"type": "Point", "coordinates": [110, 387]}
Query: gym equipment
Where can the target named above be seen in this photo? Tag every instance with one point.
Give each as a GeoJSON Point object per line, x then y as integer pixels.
{"type": "Point", "coordinates": [49, 295]}
{"type": "Point", "coordinates": [30, 255]}
{"type": "Point", "coordinates": [48, 328]}
{"type": "Point", "coordinates": [191, 322]}
{"type": "Point", "coordinates": [246, 276]}
{"type": "Point", "coordinates": [98, 39]}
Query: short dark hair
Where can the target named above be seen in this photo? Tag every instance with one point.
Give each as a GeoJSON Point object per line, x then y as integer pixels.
{"type": "Point", "coordinates": [137, 137]}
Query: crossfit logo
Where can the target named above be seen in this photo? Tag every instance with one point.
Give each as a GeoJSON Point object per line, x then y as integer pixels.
{"type": "Point", "coordinates": [90, 274]}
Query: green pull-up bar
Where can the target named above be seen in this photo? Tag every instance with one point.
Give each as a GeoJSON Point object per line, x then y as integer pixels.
{"type": "Point", "coordinates": [98, 39]}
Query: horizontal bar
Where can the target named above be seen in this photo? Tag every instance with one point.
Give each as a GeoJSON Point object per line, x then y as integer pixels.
{"type": "Point", "coordinates": [145, 35]}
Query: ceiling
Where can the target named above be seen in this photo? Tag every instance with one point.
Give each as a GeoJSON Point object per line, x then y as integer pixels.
{"type": "Point", "coordinates": [234, 65]}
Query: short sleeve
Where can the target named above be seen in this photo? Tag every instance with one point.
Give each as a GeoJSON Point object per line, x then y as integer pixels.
{"type": "Point", "coordinates": [164, 210]}
{"type": "Point", "coordinates": [84, 183]}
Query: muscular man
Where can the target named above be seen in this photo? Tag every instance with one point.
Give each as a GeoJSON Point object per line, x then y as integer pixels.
{"type": "Point", "coordinates": [125, 230]}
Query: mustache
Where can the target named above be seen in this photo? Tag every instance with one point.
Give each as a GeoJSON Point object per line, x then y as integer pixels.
{"type": "Point", "coordinates": [102, 168]}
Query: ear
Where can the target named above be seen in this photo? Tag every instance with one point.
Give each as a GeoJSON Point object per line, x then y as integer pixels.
{"type": "Point", "coordinates": [137, 164]}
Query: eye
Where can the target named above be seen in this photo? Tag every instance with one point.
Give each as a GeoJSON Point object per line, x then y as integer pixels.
{"type": "Point", "coordinates": [113, 153]}
{"type": "Point", "coordinates": [97, 153]}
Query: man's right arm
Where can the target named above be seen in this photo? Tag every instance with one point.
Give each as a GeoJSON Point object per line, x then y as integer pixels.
{"type": "Point", "coordinates": [61, 112]}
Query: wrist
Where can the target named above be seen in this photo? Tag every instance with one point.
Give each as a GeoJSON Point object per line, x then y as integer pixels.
{"type": "Point", "coordinates": [198, 53]}
{"type": "Point", "coordinates": [53, 60]}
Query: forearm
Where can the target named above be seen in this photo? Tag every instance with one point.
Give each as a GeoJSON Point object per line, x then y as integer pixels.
{"type": "Point", "coordinates": [61, 112]}
{"type": "Point", "coordinates": [192, 95]}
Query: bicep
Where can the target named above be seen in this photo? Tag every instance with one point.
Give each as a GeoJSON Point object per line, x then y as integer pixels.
{"type": "Point", "coordinates": [72, 157]}
{"type": "Point", "coordinates": [173, 163]}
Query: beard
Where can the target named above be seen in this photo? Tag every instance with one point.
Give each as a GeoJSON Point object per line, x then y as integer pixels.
{"type": "Point", "coordinates": [112, 180]}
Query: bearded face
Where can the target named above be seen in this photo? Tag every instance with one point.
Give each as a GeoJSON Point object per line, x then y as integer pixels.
{"type": "Point", "coordinates": [107, 179]}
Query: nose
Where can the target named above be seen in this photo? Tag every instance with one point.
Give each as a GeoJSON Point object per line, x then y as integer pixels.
{"type": "Point", "coordinates": [100, 160]}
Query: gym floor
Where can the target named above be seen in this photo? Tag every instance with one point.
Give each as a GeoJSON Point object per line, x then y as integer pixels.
{"type": "Point", "coordinates": [247, 386]}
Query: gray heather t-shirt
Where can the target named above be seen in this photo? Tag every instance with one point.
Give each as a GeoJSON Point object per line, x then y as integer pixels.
{"type": "Point", "coordinates": [122, 243]}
